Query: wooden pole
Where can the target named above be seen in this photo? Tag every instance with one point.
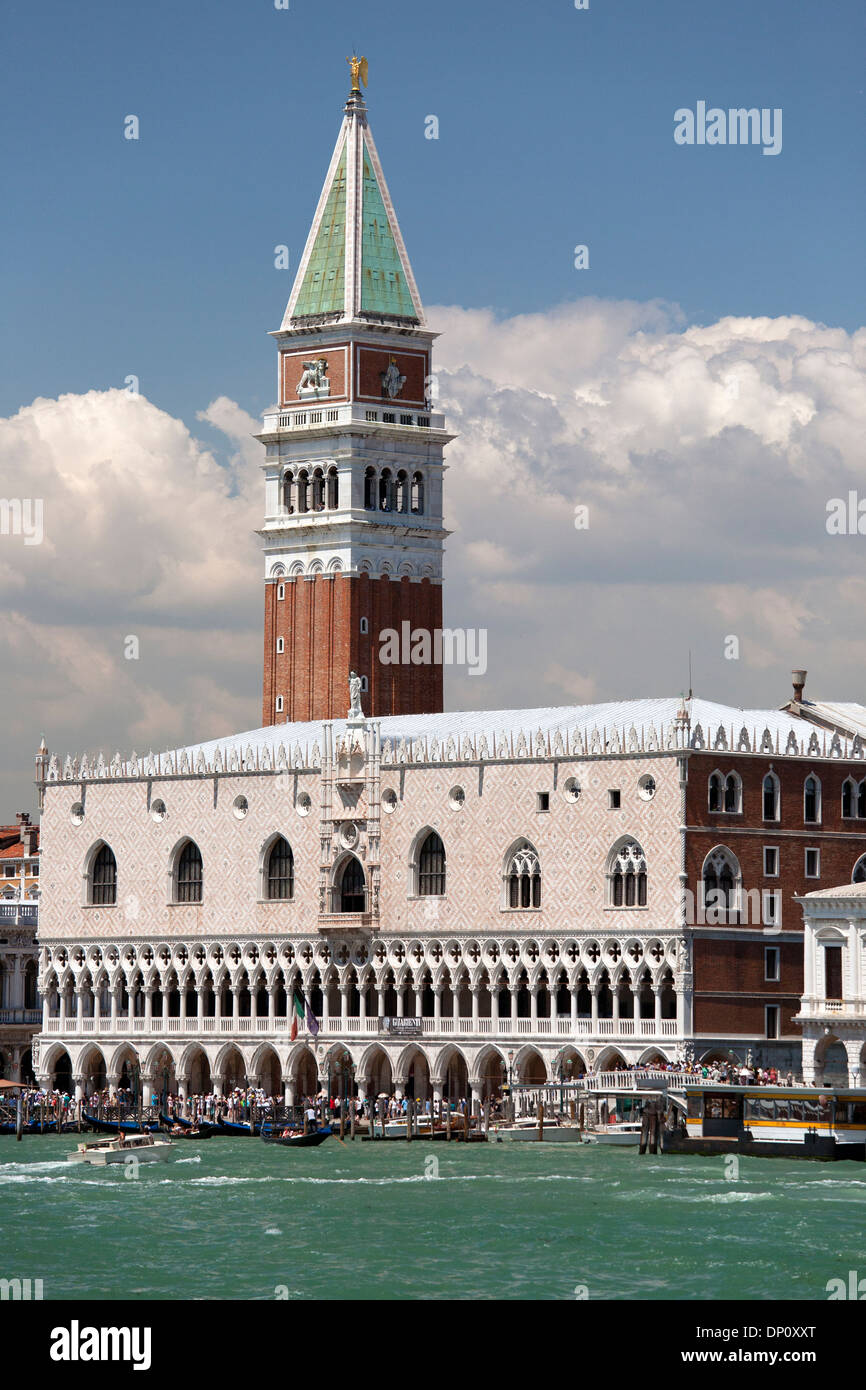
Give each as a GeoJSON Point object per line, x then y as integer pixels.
{"type": "Point", "coordinates": [466, 1125]}
{"type": "Point", "coordinates": [342, 1118]}
{"type": "Point", "coordinates": [448, 1122]}
{"type": "Point", "coordinates": [409, 1104]}
{"type": "Point", "coordinates": [540, 1120]}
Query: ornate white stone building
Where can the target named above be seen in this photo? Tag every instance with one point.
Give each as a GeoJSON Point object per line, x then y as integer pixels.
{"type": "Point", "coordinates": [833, 1010]}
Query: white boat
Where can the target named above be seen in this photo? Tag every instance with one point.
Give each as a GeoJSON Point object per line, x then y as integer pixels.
{"type": "Point", "coordinates": [526, 1131]}
{"type": "Point", "coordinates": [626, 1133]}
{"type": "Point", "coordinates": [144, 1148]}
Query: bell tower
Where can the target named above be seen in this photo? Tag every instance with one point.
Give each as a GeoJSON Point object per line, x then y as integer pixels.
{"type": "Point", "coordinates": [353, 536]}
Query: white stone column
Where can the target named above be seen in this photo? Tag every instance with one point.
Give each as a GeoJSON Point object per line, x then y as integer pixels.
{"type": "Point", "coordinates": [475, 993]}
{"type": "Point", "coordinates": [572, 994]}
{"type": "Point", "coordinates": [272, 1006]}
{"type": "Point", "coordinates": [594, 1008]}
{"type": "Point", "coordinates": [476, 1098]}
{"type": "Point", "coordinates": [199, 1005]}
{"type": "Point", "coordinates": [115, 1002]}
{"type": "Point", "coordinates": [344, 1007]}
{"type": "Point", "coordinates": [148, 1007]}
{"type": "Point", "coordinates": [494, 1007]}
{"type": "Point", "coordinates": [533, 1008]}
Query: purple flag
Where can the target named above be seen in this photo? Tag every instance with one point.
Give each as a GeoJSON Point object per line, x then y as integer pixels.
{"type": "Point", "coordinates": [312, 1024]}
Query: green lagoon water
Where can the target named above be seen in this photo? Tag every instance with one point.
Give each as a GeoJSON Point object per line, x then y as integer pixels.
{"type": "Point", "coordinates": [238, 1219]}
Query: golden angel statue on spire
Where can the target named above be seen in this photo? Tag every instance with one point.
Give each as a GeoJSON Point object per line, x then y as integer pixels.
{"type": "Point", "coordinates": [359, 70]}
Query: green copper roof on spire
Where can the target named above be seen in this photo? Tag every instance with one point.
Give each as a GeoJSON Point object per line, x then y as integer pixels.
{"type": "Point", "coordinates": [383, 284]}
{"type": "Point", "coordinates": [323, 289]}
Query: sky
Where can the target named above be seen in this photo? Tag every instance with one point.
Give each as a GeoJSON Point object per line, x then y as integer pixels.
{"type": "Point", "coordinates": [699, 387]}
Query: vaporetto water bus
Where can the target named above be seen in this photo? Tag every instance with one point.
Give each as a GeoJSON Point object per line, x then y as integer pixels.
{"type": "Point", "coordinates": [767, 1121]}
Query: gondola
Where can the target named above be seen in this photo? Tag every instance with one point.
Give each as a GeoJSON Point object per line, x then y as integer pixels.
{"type": "Point", "coordinates": [230, 1130]}
{"type": "Point", "coordinates": [112, 1126]}
{"type": "Point", "coordinates": [34, 1127]}
{"type": "Point", "coordinates": [300, 1141]}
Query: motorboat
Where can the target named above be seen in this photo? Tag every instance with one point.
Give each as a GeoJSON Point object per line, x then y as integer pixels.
{"type": "Point", "coordinates": [143, 1148]}
{"type": "Point", "coordinates": [620, 1135]}
{"type": "Point", "coordinates": [528, 1131]}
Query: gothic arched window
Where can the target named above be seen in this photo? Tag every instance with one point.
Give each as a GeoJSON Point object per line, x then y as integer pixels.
{"type": "Point", "coordinates": [352, 896]}
{"type": "Point", "coordinates": [859, 874]}
{"type": "Point", "coordinates": [627, 876]}
{"type": "Point", "coordinates": [714, 797]}
{"type": "Point", "coordinates": [288, 482]}
{"type": "Point", "coordinates": [849, 797]}
{"type": "Point", "coordinates": [770, 797]}
{"type": "Point", "coordinates": [811, 800]}
{"type": "Point", "coordinates": [189, 876]}
{"type": "Point", "coordinates": [431, 867]}
{"type": "Point", "coordinates": [861, 799]}
{"type": "Point", "coordinates": [280, 871]}
{"type": "Point", "coordinates": [370, 490]}
{"type": "Point", "coordinates": [402, 491]}
{"type": "Point", "coordinates": [103, 878]}
{"type": "Point", "coordinates": [733, 793]}
{"type": "Point", "coordinates": [524, 877]}
{"type": "Point", "coordinates": [721, 884]}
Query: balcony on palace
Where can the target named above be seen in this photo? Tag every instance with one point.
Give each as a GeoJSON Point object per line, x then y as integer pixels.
{"type": "Point", "coordinates": [837, 1009]}
{"type": "Point", "coordinates": [26, 1016]}
{"type": "Point", "coordinates": [541, 1028]}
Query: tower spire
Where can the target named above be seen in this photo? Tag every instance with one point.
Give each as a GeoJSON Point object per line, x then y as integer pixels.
{"type": "Point", "coordinates": [354, 265]}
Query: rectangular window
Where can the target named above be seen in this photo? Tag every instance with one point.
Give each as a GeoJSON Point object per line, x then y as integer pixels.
{"type": "Point", "coordinates": [542, 801]}
{"type": "Point", "coordinates": [388, 417]}
{"type": "Point", "coordinates": [405, 419]}
{"type": "Point", "coordinates": [813, 863]}
{"type": "Point", "coordinates": [772, 908]}
{"type": "Point", "coordinates": [833, 972]}
{"type": "Point", "coordinates": [281, 645]}
{"type": "Point", "coordinates": [613, 799]}
{"type": "Point", "coordinates": [772, 956]}
{"type": "Point", "coordinates": [333, 415]}
{"type": "Point", "coordinates": [279, 705]}
{"type": "Point", "coordinates": [771, 1013]}
{"type": "Point", "coordinates": [771, 861]}
{"type": "Point", "coordinates": [281, 591]}
{"type": "Point", "coordinates": [365, 625]}
{"type": "Point", "coordinates": [372, 415]}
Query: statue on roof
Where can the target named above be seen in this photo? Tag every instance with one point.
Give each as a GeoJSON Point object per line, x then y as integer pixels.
{"type": "Point", "coordinates": [355, 711]}
{"type": "Point", "coordinates": [359, 69]}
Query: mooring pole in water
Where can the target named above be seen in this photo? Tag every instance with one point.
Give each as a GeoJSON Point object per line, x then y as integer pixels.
{"type": "Point", "coordinates": [448, 1122]}
{"type": "Point", "coordinates": [409, 1104]}
{"type": "Point", "coordinates": [19, 1117]}
{"type": "Point", "coordinates": [342, 1118]}
{"type": "Point", "coordinates": [540, 1120]}
{"type": "Point", "coordinates": [487, 1119]}
{"type": "Point", "coordinates": [465, 1124]}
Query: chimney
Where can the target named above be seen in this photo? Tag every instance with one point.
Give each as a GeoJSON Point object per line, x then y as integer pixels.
{"type": "Point", "coordinates": [799, 679]}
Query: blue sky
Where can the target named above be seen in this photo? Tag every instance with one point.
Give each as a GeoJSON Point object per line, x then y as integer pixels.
{"type": "Point", "coordinates": [556, 128]}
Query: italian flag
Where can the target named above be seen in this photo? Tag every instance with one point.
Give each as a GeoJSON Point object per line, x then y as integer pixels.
{"type": "Point", "coordinates": [298, 1012]}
